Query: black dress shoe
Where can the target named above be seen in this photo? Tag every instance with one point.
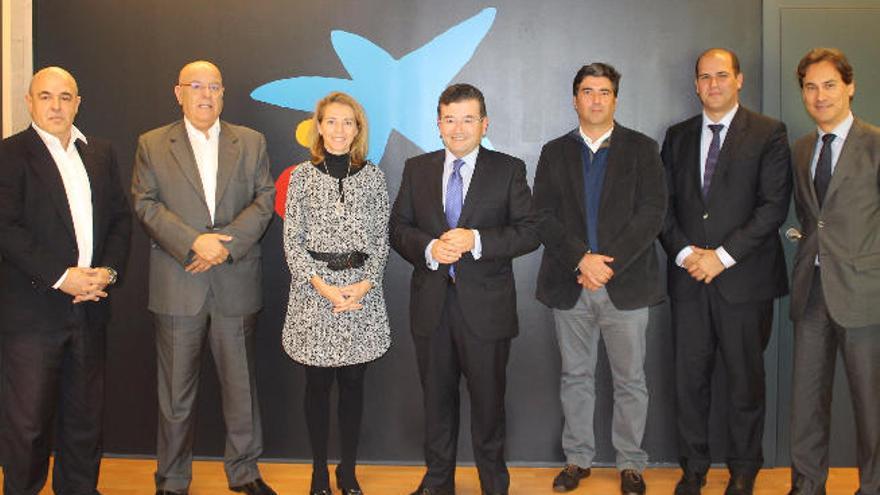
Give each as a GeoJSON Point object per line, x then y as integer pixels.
{"type": "Point", "coordinates": [631, 482]}
{"type": "Point", "coordinates": [434, 491]}
{"type": "Point", "coordinates": [690, 484]}
{"type": "Point", "coordinates": [168, 492]}
{"type": "Point", "coordinates": [256, 487]}
{"type": "Point", "coordinates": [569, 478]}
{"type": "Point", "coordinates": [740, 485]}
{"type": "Point", "coordinates": [351, 491]}
{"type": "Point", "coordinates": [321, 491]}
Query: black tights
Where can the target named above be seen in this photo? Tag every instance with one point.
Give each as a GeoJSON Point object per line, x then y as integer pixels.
{"type": "Point", "coordinates": [350, 381]}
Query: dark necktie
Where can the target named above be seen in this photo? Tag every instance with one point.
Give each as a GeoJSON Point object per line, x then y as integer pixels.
{"type": "Point", "coordinates": [454, 194]}
{"type": "Point", "coordinates": [823, 168]}
{"type": "Point", "coordinates": [712, 157]}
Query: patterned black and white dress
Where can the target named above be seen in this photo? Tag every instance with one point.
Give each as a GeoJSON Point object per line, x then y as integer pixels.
{"type": "Point", "coordinates": [313, 334]}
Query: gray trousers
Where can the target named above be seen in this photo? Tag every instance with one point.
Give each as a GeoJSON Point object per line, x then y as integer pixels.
{"type": "Point", "coordinates": [816, 341]}
{"type": "Point", "coordinates": [179, 344]}
{"type": "Point", "coordinates": [577, 332]}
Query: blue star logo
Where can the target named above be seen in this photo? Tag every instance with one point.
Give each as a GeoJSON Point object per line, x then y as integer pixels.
{"type": "Point", "coordinates": [396, 94]}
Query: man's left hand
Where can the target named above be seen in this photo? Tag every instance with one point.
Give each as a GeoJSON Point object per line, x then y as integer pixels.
{"type": "Point", "coordinates": [707, 267]}
{"type": "Point", "coordinates": [461, 239]}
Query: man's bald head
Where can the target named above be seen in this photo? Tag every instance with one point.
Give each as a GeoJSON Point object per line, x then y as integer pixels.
{"type": "Point", "coordinates": [53, 71]}
{"type": "Point", "coordinates": [199, 92]}
{"type": "Point", "coordinates": [53, 100]}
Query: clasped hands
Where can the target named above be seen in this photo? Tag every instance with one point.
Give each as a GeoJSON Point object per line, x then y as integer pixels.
{"type": "Point", "coordinates": [208, 251]}
{"type": "Point", "coordinates": [594, 271]}
{"type": "Point", "coordinates": [703, 264]}
{"type": "Point", "coordinates": [452, 245]}
{"type": "Point", "coordinates": [86, 284]}
{"type": "Point", "coordinates": [343, 298]}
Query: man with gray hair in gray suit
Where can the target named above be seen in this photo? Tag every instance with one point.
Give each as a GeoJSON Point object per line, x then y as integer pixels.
{"type": "Point", "coordinates": [202, 190]}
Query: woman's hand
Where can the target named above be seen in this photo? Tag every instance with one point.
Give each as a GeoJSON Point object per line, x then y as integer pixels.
{"type": "Point", "coordinates": [341, 298]}
{"type": "Point", "coordinates": [357, 290]}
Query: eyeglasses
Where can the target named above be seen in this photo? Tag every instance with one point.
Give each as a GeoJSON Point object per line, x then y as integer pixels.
{"type": "Point", "coordinates": [198, 86]}
{"type": "Point", "coordinates": [466, 120]}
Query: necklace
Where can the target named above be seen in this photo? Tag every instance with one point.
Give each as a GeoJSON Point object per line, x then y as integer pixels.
{"type": "Point", "coordinates": [339, 207]}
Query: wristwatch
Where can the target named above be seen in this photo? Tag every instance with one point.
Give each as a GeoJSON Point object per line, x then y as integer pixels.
{"type": "Point", "coordinates": [113, 275]}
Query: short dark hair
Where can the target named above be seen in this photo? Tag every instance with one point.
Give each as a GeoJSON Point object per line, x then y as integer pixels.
{"type": "Point", "coordinates": [833, 55]}
{"type": "Point", "coordinates": [597, 69]}
{"type": "Point", "coordinates": [734, 60]}
{"type": "Point", "coordinates": [461, 92]}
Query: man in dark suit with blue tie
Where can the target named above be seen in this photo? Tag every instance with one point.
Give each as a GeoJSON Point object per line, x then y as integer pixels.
{"type": "Point", "coordinates": [729, 178]}
{"type": "Point", "coordinates": [835, 295]}
{"type": "Point", "coordinates": [462, 214]}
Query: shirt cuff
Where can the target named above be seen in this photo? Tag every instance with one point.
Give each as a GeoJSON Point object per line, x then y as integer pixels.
{"type": "Point", "coordinates": [682, 255]}
{"type": "Point", "coordinates": [61, 280]}
{"type": "Point", "coordinates": [429, 260]}
{"type": "Point", "coordinates": [725, 257]}
{"type": "Point", "coordinates": [477, 251]}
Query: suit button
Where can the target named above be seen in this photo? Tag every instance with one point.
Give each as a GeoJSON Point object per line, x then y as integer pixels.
{"type": "Point", "coordinates": [821, 224]}
{"type": "Point", "coordinates": [706, 215]}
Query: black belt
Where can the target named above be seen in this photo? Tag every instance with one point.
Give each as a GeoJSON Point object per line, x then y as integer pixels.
{"type": "Point", "coordinates": [341, 261]}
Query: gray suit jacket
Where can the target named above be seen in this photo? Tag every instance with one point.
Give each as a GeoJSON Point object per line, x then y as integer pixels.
{"type": "Point", "coordinates": [845, 233]}
{"type": "Point", "coordinates": [170, 202]}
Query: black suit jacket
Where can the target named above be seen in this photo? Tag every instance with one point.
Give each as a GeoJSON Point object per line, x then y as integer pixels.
{"type": "Point", "coordinates": [37, 239]}
{"type": "Point", "coordinates": [747, 203]}
{"type": "Point", "coordinates": [631, 211]}
{"type": "Point", "coordinates": [498, 204]}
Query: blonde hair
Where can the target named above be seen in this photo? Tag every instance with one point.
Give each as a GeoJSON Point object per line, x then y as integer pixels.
{"type": "Point", "coordinates": [358, 152]}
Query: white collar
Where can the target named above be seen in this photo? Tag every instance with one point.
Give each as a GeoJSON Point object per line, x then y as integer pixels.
{"type": "Point", "coordinates": [48, 137]}
{"type": "Point", "coordinates": [213, 131]}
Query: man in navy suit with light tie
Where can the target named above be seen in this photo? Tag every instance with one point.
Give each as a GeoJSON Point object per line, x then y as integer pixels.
{"type": "Point", "coordinates": [461, 216]}
{"type": "Point", "coordinates": [729, 179]}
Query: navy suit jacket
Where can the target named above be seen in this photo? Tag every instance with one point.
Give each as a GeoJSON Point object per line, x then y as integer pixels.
{"type": "Point", "coordinates": [498, 204]}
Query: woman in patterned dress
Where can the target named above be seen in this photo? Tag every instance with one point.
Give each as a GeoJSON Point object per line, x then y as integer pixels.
{"type": "Point", "coordinates": [336, 243]}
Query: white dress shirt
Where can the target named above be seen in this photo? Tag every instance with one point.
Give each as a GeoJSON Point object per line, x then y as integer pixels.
{"type": "Point", "coordinates": [78, 190]}
{"type": "Point", "coordinates": [595, 145]}
{"type": "Point", "coordinates": [706, 135]}
{"type": "Point", "coordinates": [206, 150]}
{"type": "Point", "coordinates": [841, 132]}
{"type": "Point", "coordinates": [467, 172]}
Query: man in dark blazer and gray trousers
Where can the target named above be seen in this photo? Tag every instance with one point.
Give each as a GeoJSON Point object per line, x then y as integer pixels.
{"type": "Point", "coordinates": [601, 197]}
{"type": "Point", "coordinates": [64, 236]}
{"type": "Point", "coordinates": [462, 214]}
{"type": "Point", "coordinates": [203, 192]}
{"type": "Point", "coordinates": [835, 295]}
{"type": "Point", "coordinates": [729, 178]}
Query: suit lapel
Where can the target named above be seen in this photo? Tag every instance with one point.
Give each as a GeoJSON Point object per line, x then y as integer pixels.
{"type": "Point", "coordinates": [732, 143]}
{"type": "Point", "coordinates": [434, 174]}
{"type": "Point", "coordinates": [803, 158]}
{"type": "Point", "coordinates": [183, 154]}
{"type": "Point", "coordinates": [618, 161]}
{"type": "Point", "coordinates": [844, 166]}
{"type": "Point", "coordinates": [228, 156]}
{"type": "Point", "coordinates": [480, 180]}
{"type": "Point", "coordinates": [691, 159]}
{"type": "Point", "coordinates": [573, 162]}
{"type": "Point", "coordinates": [44, 166]}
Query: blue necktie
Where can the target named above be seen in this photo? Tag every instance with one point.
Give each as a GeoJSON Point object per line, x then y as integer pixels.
{"type": "Point", "coordinates": [712, 157]}
{"type": "Point", "coordinates": [823, 168]}
{"type": "Point", "coordinates": [454, 190]}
